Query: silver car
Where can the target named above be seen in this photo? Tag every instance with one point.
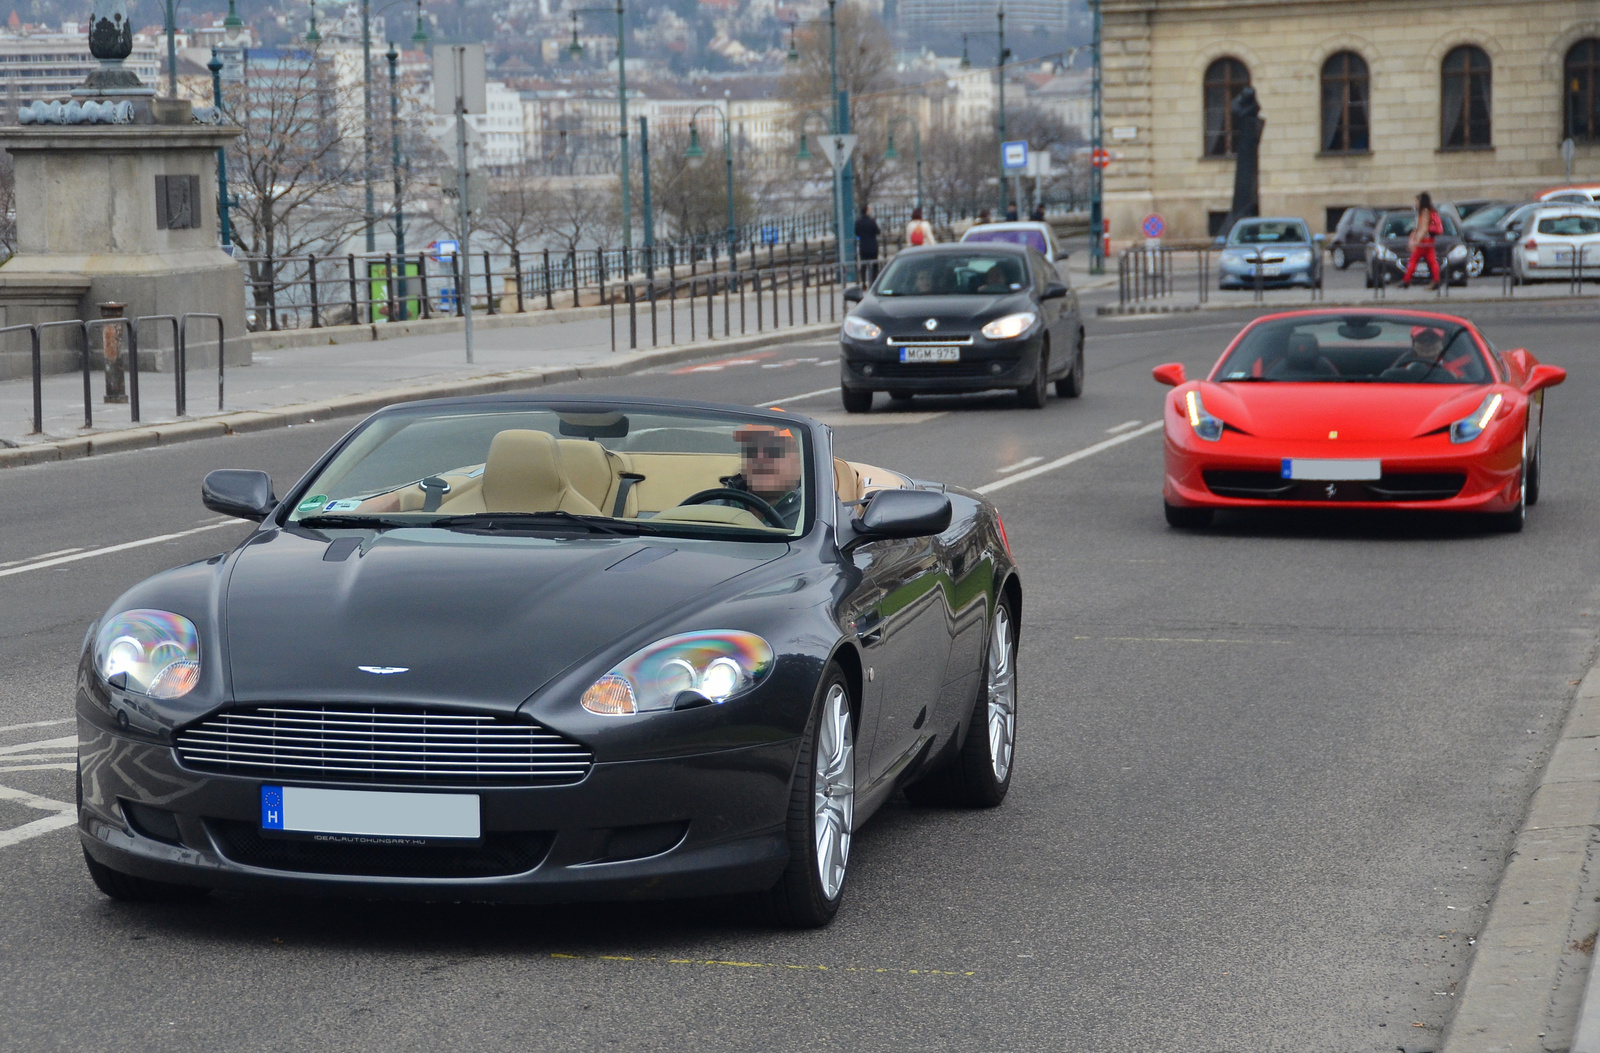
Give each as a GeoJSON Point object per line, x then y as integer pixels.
{"type": "Point", "coordinates": [1282, 248]}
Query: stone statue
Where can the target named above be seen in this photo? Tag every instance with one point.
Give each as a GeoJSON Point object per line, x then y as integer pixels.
{"type": "Point", "coordinates": [111, 41]}
{"type": "Point", "coordinates": [1247, 127]}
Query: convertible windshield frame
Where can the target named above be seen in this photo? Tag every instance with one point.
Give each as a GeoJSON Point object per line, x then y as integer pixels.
{"type": "Point", "coordinates": [1354, 348]}
{"type": "Point", "coordinates": [666, 424]}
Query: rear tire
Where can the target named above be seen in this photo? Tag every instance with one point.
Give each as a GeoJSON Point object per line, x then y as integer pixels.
{"type": "Point", "coordinates": [1187, 518]}
{"type": "Point", "coordinates": [821, 813]}
{"type": "Point", "coordinates": [129, 889]}
{"type": "Point", "coordinates": [1071, 385]}
{"type": "Point", "coordinates": [1535, 470]}
{"type": "Point", "coordinates": [1036, 394]}
{"type": "Point", "coordinates": [1340, 260]}
{"type": "Point", "coordinates": [856, 401]}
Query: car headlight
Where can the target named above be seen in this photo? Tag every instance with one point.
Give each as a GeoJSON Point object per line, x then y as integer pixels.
{"type": "Point", "coordinates": [1297, 256]}
{"type": "Point", "coordinates": [156, 652]}
{"type": "Point", "coordinates": [1009, 326]}
{"type": "Point", "coordinates": [1457, 254]}
{"type": "Point", "coordinates": [1468, 428]}
{"type": "Point", "coordinates": [1383, 253]}
{"type": "Point", "coordinates": [1204, 424]}
{"type": "Point", "coordinates": [860, 329]}
{"type": "Point", "coordinates": [680, 672]}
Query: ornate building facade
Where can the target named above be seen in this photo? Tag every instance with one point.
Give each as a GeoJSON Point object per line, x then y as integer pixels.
{"type": "Point", "coordinates": [1365, 101]}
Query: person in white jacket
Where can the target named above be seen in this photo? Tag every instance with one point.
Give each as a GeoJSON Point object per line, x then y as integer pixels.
{"type": "Point", "coordinates": [919, 231]}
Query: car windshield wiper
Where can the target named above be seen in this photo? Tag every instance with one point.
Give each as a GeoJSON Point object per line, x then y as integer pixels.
{"type": "Point", "coordinates": [494, 521]}
{"type": "Point", "coordinates": [359, 522]}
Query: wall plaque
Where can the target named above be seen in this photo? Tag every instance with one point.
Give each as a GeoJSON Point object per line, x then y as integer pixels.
{"type": "Point", "coordinates": [177, 202]}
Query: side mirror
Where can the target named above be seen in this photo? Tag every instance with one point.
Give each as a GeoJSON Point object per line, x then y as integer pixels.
{"type": "Point", "coordinates": [1054, 291]}
{"type": "Point", "coordinates": [853, 294]}
{"type": "Point", "coordinates": [1319, 238]}
{"type": "Point", "coordinates": [239, 493]}
{"type": "Point", "coordinates": [1170, 374]}
{"type": "Point", "coordinates": [1543, 377]}
{"type": "Point", "coordinates": [903, 513]}
{"type": "Point", "coordinates": [1218, 242]}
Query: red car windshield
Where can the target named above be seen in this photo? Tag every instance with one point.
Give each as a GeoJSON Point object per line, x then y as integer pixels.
{"type": "Point", "coordinates": [1357, 349]}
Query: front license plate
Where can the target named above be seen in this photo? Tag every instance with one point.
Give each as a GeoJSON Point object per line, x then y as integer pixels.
{"type": "Point", "coordinates": [1271, 272]}
{"type": "Point", "coordinates": [370, 813]}
{"type": "Point", "coordinates": [930, 354]}
{"type": "Point", "coordinates": [1331, 470]}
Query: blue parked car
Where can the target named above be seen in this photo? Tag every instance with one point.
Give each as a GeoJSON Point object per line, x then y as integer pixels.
{"type": "Point", "coordinates": [1283, 247]}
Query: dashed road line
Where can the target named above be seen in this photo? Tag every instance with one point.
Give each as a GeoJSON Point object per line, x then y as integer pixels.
{"type": "Point", "coordinates": [801, 398]}
{"type": "Point", "coordinates": [36, 724]}
{"type": "Point", "coordinates": [42, 555]}
{"type": "Point", "coordinates": [109, 549]}
{"type": "Point", "coordinates": [1117, 429]}
{"type": "Point", "coordinates": [1020, 464]}
{"type": "Point", "coordinates": [717, 962]}
{"type": "Point", "coordinates": [1062, 462]}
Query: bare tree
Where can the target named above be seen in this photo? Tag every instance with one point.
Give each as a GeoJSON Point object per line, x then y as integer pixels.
{"type": "Point", "coordinates": [516, 211]}
{"type": "Point", "coordinates": [691, 194]}
{"type": "Point", "coordinates": [575, 213]}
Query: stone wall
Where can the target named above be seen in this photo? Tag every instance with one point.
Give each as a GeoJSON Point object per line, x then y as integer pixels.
{"type": "Point", "coordinates": [1157, 51]}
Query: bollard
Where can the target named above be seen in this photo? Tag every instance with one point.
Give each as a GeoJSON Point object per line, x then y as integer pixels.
{"type": "Point", "coordinates": [111, 345]}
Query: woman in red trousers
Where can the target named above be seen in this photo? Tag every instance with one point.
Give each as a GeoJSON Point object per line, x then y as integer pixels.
{"type": "Point", "coordinates": [1428, 225]}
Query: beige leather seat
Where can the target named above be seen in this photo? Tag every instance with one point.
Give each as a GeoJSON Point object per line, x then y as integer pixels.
{"type": "Point", "coordinates": [845, 481]}
{"type": "Point", "coordinates": [523, 474]}
{"type": "Point", "coordinates": [593, 470]}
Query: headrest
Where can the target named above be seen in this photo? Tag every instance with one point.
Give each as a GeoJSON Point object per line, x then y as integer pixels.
{"type": "Point", "coordinates": [523, 473]}
{"type": "Point", "coordinates": [587, 468]}
{"type": "Point", "coordinates": [1303, 345]}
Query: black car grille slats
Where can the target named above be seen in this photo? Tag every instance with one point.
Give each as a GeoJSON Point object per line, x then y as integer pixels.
{"type": "Point", "coordinates": [380, 744]}
{"type": "Point", "coordinates": [495, 856]}
{"type": "Point", "coordinates": [1415, 486]}
{"type": "Point", "coordinates": [890, 370]}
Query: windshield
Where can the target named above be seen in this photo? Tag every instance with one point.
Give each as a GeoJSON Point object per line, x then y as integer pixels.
{"type": "Point", "coordinates": [1270, 232]}
{"type": "Point", "coordinates": [1358, 349]}
{"type": "Point", "coordinates": [1033, 239]}
{"type": "Point", "coordinates": [604, 470]}
{"type": "Point", "coordinates": [1488, 215]}
{"type": "Point", "coordinates": [951, 274]}
{"type": "Point", "coordinates": [1571, 225]}
{"type": "Point", "coordinates": [1399, 224]}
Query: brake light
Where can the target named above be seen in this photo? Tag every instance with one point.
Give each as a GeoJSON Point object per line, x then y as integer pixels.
{"type": "Point", "coordinates": [1004, 540]}
{"type": "Point", "coordinates": [1531, 245]}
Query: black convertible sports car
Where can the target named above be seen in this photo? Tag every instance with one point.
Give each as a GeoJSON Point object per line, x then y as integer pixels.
{"type": "Point", "coordinates": [513, 648]}
{"type": "Point", "coordinates": [964, 317]}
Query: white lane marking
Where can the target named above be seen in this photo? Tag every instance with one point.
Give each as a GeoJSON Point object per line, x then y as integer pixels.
{"type": "Point", "coordinates": [109, 549]}
{"type": "Point", "coordinates": [852, 420]}
{"type": "Point", "coordinates": [1020, 464]}
{"type": "Point", "coordinates": [37, 724]}
{"type": "Point", "coordinates": [33, 800]}
{"type": "Point", "coordinates": [34, 829]}
{"type": "Point", "coordinates": [42, 746]}
{"type": "Point", "coordinates": [1124, 426]}
{"type": "Point", "coordinates": [38, 767]}
{"type": "Point", "coordinates": [801, 398]}
{"type": "Point", "coordinates": [42, 555]}
{"type": "Point", "coordinates": [1062, 462]}
{"type": "Point", "coordinates": [827, 365]}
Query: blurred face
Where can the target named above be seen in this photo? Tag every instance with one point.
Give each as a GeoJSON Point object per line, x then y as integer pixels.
{"type": "Point", "coordinates": [769, 460]}
{"type": "Point", "coordinates": [1428, 344]}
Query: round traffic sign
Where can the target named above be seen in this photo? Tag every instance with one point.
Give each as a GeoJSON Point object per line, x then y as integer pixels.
{"type": "Point", "coordinates": [1101, 158]}
{"type": "Point", "coordinates": [1153, 226]}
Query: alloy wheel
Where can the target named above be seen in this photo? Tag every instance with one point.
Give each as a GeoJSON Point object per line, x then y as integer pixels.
{"type": "Point", "coordinates": [1002, 694]}
{"type": "Point", "coordinates": [834, 790]}
{"type": "Point", "coordinates": [1475, 262]}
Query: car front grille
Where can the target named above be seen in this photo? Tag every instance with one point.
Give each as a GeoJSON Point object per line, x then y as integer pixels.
{"type": "Point", "coordinates": [1271, 486]}
{"type": "Point", "coordinates": [364, 743]}
{"type": "Point", "coordinates": [892, 370]}
{"type": "Point", "coordinates": [495, 856]}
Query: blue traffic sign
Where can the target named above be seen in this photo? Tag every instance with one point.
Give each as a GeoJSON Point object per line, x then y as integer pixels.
{"type": "Point", "coordinates": [1014, 155]}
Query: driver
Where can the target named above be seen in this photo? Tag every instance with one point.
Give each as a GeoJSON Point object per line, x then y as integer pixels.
{"type": "Point", "coordinates": [1425, 357]}
{"type": "Point", "coordinates": [770, 468]}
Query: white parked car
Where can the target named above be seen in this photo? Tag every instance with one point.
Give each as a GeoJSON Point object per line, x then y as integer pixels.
{"type": "Point", "coordinates": [1040, 237]}
{"type": "Point", "coordinates": [1556, 240]}
{"type": "Point", "coordinates": [1582, 194]}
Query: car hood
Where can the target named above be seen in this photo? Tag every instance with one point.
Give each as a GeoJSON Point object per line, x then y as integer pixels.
{"type": "Point", "coordinates": [1357, 412]}
{"type": "Point", "coordinates": [471, 620]}
{"type": "Point", "coordinates": [915, 310]}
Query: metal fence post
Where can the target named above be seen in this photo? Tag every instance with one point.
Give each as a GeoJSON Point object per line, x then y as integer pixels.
{"type": "Point", "coordinates": [455, 279]}
{"type": "Point", "coordinates": [549, 289]}
{"type": "Point", "coordinates": [38, 379]}
{"type": "Point", "coordinates": [422, 284]}
{"type": "Point", "coordinates": [516, 268]}
{"type": "Point", "coordinates": [488, 281]}
{"type": "Point", "coordinates": [572, 265]}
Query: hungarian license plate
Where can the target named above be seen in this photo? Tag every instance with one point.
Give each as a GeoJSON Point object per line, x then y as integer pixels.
{"type": "Point", "coordinates": [361, 814]}
{"type": "Point", "coordinates": [930, 354]}
{"type": "Point", "coordinates": [1563, 257]}
{"type": "Point", "coordinates": [1327, 470]}
{"type": "Point", "coordinates": [1271, 271]}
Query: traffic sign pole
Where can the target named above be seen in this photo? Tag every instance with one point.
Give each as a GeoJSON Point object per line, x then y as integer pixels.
{"type": "Point", "coordinates": [1097, 250]}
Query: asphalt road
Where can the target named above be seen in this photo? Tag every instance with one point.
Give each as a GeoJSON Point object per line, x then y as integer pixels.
{"type": "Point", "coordinates": [1266, 774]}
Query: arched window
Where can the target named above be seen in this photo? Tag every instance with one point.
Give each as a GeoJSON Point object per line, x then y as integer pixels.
{"type": "Point", "coordinates": [1225, 79]}
{"type": "Point", "coordinates": [1464, 99]}
{"type": "Point", "coordinates": [1344, 104]}
{"type": "Point", "coordinates": [1583, 91]}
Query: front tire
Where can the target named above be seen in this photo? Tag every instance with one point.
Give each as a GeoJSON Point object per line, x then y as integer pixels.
{"type": "Point", "coordinates": [1071, 385]}
{"type": "Point", "coordinates": [1513, 521]}
{"type": "Point", "coordinates": [1535, 470]}
{"type": "Point", "coordinates": [1340, 260]}
{"type": "Point", "coordinates": [1036, 394]}
{"type": "Point", "coordinates": [1475, 263]}
{"type": "Point", "coordinates": [1187, 518]}
{"type": "Point", "coordinates": [856, 401]}
{"type": "Point", "coordinates": [821, 813]}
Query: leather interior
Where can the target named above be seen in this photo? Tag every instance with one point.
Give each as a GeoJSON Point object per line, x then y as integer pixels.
{"type": "Point", "coordinates": [523, 474]}
{"type": "Point", "coordinates": [595, 472]}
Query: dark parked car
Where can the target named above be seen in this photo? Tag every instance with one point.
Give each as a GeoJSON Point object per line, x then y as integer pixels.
{"type": "Point", "coordinates": [543, 649]}
{"type": "Point", "coordinates": [1471, 206]}
{"type": "Point", "coordinates": [962, 317]}
{"type": "Point", "coordinates": [1353, 234]}
{"type": "Point", "coordinates": [1491, 233]}
{"type": "Point", "coordinates": [1391, 250]}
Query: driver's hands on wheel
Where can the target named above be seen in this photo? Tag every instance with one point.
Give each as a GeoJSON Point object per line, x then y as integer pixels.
{"type": "Point", "coordinates": [770, 467]}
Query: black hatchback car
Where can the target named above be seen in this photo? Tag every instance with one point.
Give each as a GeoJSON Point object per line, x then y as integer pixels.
{"type": "Point", "coordinates": [963, 317]}
{"type": "Point", "coordinates": [1353, 235]}
{"type": "Point", "coordinates": [1391, 249]}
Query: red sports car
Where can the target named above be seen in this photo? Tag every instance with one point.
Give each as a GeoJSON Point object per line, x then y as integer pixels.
{"type": "Point", "coordinates": [1357, 409]}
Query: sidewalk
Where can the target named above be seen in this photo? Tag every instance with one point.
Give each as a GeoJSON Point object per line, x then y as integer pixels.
{"type": "Point", "coordinates": [347, 378]}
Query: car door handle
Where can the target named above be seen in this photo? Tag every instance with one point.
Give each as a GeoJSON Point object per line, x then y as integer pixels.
{"type": "Point", "coordinates": [869, 628]}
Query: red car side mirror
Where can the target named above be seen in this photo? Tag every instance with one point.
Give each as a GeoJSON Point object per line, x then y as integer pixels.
{"type": "Point", "coordinates": [1171, 374]}
{"type": "Point", "coordinates": [1543, 377]}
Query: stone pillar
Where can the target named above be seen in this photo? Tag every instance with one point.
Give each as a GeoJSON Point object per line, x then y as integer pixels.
{"type": "Point", "coordinates": [112, 341]}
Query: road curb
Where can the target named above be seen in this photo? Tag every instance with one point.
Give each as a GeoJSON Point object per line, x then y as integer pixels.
{"type": "Point", "coordinates": [244, 422]}
{"type": "Point", "coordinates": [1506, 999]}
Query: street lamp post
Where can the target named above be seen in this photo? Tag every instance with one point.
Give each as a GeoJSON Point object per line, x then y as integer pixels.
{"type": "Point", "coordinates": [366, 116]}
{"type": "Point", "coordinates": [890, 153]}
{"type": "Point", "coordinates": [649, 216]}
{"type": "Point", "coordinates": [226, 229]}
{"type": "Point", "coordinates": [394, 155]}
{"type": "Point", "coordinates": [836, 120]}
{"type": "Point", "coordinates": [576, 50]}
{"type": "Point", "coordinates": [1097, 259]}
{"type": "Point", "coordinates": [696, 154]}
{"type": "Point", "coordinates": [1000, 71]}
{"type": "Point", "coordinates": [171, 27]}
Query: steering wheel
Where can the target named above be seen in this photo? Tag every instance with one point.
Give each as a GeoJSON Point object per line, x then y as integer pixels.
{"type": "Point", "coordinates": [742, 497]}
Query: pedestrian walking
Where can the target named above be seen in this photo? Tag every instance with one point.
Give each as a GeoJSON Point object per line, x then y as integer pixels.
{"type": "Point", "coordinates": [984, 217]}
{"type": "Point", "coordinates": [1011, 213]}
{"type": "Point", "coordinates": [1427, 227]}
{"type": "Point", "coordinates": [1038, 213]}
{"type": "Point", "coordinates": [867, 244]}
{"type": "Point", "coordinates": [919, 231]}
